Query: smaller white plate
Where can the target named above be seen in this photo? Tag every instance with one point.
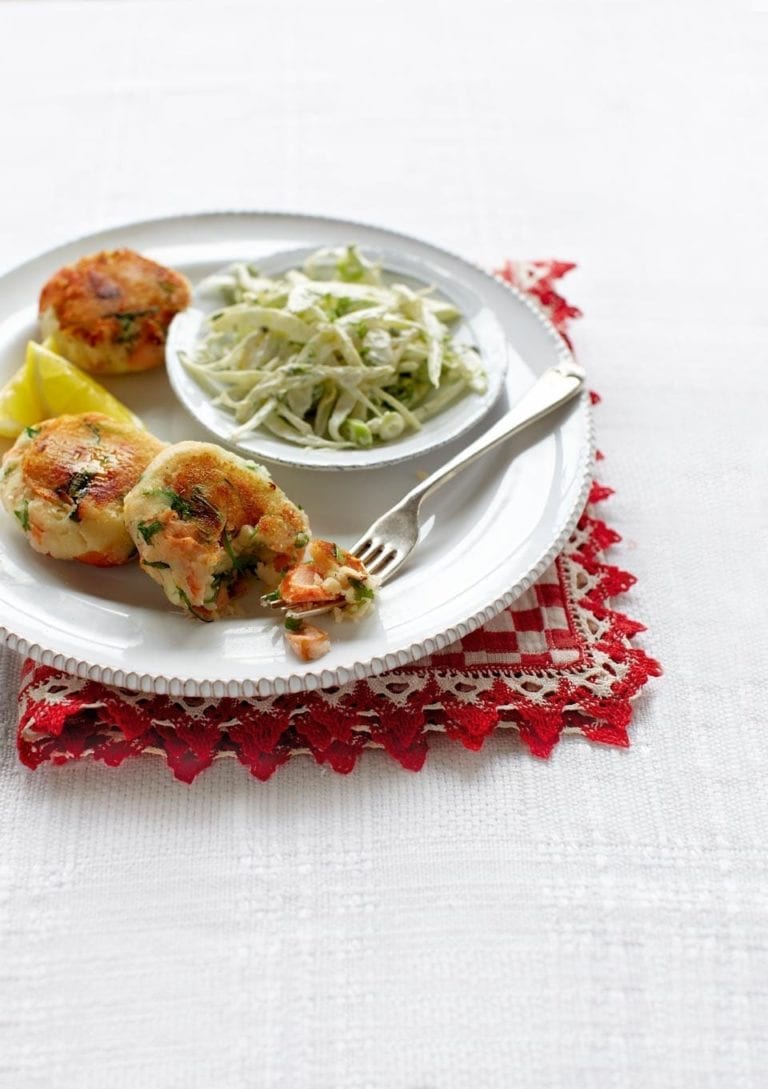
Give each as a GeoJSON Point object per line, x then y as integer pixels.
{"type": "Point", "coordinates": [478, 327]}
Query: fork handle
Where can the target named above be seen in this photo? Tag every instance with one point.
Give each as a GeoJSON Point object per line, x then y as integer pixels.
{"type": "Point", "coordinates": [555, 387]}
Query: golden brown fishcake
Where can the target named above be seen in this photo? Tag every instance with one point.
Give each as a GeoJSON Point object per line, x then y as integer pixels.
{"type": "Point", "coordinates": [109, 313]}
{"type": "Point", "coordinates": [202, 518]}
{"type": "Point", "coordinates": [64, 482]}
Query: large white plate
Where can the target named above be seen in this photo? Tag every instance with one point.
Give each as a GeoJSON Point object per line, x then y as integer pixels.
{"type": "Point", "coordinates": [488, 534]}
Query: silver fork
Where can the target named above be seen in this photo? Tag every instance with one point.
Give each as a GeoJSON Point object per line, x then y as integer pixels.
{"type": "Point", "coordinates": [387, 543]}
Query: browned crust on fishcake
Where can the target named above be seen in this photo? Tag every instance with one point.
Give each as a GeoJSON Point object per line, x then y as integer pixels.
{"type": "Point", "coordinates": [109, 312]}
{"type": "Point", "coordinates": [65, 481]}
{"type": "Point", "coordinates": [67, 445]}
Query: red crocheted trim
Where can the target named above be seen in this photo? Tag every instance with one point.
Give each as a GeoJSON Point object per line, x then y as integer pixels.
{"type": "Point", "coordinates": [542, 696]}
{"type": "Point", "coordinates": [537, 278]}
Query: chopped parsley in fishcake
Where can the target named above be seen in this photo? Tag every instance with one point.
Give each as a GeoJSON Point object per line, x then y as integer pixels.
{"type": "Point", "coordinates": [203, 518]}
{"type": "Point", "coordinates": [64, 481]}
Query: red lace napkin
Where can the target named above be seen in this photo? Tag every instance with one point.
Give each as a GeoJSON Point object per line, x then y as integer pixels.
{"type": "Point", "coordinates": [560, 659]}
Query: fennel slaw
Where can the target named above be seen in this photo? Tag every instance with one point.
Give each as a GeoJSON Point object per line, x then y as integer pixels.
{"type": "Point", "coordinates": [331, 355]}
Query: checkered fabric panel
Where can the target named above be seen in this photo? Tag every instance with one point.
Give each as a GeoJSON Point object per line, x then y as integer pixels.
{"type": "Point", "coordinates": [537, 632]}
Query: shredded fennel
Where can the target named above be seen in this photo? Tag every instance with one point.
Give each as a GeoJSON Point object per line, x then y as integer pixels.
{"type": "Point", "coordinates": [331, 355]}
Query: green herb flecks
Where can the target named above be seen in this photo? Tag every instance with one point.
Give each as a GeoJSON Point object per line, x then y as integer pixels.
{"type": "Point", "coordinates": [231, 577]}
{"type": "Point", "coordinates": [221, 578]}
{"type": "Point", "coordinates": [79, 483]}
{"type": "Point", "coordinates": [23, 515]}
{"type": "Point", "coordinates": [226, 544]}
{"type": "Point", "coordinates": [177, 503]}
{"type": "Point", "coordinates": [301, 540]}
{"type": "Point", "coordinates": [292, 623]}
{"type": "Point", "coordinates": [240, 563]}
{"type": "Point", "coordinates": [338, 307]}
{"type": "Point", "coordinates": [362, 592]}
{"type": "Point", "coordinates": [76, 489]}
{"type": "Point", "coordinates": [159, 564]}
{"type": "Point", "coordinates": [128, 330]}
{"type": "Point", "coordinates": [31, 432]}
{"type": "Point", "coordinates": [149, 529]}
{"type": "Point", "coordinates": [183, 597]}
{"type": "Point", "coordinates": [197, 506]}
{"type": "Point", "coordinates": [357, 432]}
{"type": "Point", "coordinates": [349, 267]}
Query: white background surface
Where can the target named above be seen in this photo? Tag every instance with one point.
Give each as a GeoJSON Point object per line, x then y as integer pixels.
{"type": "Point", "coordinates": [595, 921]}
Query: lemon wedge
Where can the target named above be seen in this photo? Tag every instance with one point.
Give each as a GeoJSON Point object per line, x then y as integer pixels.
{"type": "Point", "coordinates": [48, 385]}
{"type": "Point", "coordinates": [19, 406]}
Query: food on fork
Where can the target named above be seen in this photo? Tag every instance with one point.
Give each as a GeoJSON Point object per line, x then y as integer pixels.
{"type": "Point", "coordinates": [328, 578]}
{"type": "Point", "coordinates": [328, 575]}
{"type": "Point", "coordinates": [64, 482]}
{"type": "Point", "coordinates": [203, 519]}
{"type": "Point", "coordinates": [109, 312]}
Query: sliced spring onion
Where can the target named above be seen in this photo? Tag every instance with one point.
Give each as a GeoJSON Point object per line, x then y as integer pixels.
{"type": "Point", "coordinates": [331, 355]}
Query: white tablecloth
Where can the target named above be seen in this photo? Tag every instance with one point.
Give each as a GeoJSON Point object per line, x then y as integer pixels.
{"type": "Point", "coordinates": [599, 920]}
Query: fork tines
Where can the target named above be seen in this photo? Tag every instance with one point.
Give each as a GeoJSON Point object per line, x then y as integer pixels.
{"type": "Point", "coordinates": [309, 608]}
{"type": "Point", "coordinates": [377, 555]}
